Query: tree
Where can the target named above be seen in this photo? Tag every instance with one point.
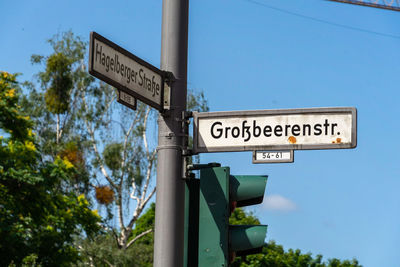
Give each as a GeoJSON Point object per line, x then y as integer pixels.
{"type": "Point", "coordinates": [102, 251]}
{"type": "Point", "coordinates": [54, 107]}
{"type": "Point", "coordinates": [38, 221]}
{"type": "Point", "coordinates": [274, 255]}
{"type": "Point", "coordinates": [114, 147]}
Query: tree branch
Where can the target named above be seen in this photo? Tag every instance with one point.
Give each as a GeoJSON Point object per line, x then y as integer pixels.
{"type": "Point", "coordinates": [102, 168]}
{"type": "Point", "coordinates": [144, 131]}
{"type": "Point", "coordinates": [127, 134]}
{"type": "Point", "coordinates": [149, 197]}
{"type": "Point", "coordinates": [134, 191]}
{"type": "Point", "coordinates": [97, 154]}
{"type": "Point", "coordinates": [106, 261]}
{"type": "Point", "coordinates": [66, 122]}
{"type": "Point", "coordinates": [120, 212]}
{"type": "Point", "coordinates": [150, 159]}
{"type": "Point", "coordinates": [110, 102]}
{"type": "Point", "coordinates": [141, 202]}
{"type": "Point", "coordinates": [138, 236]}
{"type": "Point", "coordinates": [88, 254]}
{"type": "Point", "coordinates": [58, 129]}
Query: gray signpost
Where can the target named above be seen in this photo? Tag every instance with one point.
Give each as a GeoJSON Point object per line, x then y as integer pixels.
{"type": "Point", "coordinates": [170, 198]}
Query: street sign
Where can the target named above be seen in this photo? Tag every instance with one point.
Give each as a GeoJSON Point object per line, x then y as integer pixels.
{"type": "Point", "coordinates": [284, 156]}
{"type": "Point", "coordinates": [285, 129]}
{"type": "Point", "coordinates": [126, 100]}
{"type": "Point", "coordinates": [126, 72]}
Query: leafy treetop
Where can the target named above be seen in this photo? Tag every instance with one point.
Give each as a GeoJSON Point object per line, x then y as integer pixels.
{"type": "Point", "coordinates": [37, 220]}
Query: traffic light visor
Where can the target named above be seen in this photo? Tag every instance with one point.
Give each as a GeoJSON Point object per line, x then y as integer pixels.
{"type": "Point", "coordinates": [247, 237]}
{"type": "Point", "coordinates": [247, 190]}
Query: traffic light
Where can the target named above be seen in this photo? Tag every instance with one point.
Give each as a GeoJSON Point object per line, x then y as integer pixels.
{"type": "Point", "coordinates": [219, 194]}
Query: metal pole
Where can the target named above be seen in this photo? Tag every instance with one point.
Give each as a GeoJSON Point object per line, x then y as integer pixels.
{"type": "Point", "coordinates": [169, 225]}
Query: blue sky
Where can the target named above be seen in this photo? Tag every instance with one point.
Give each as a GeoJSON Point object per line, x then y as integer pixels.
{"type": "Point", "coordinates": [270, 54]}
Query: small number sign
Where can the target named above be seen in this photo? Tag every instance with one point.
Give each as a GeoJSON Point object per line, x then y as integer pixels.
{"type": "Point", "coordinates": [273, 156]}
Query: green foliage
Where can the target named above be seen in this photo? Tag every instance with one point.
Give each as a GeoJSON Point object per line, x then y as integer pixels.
{"type": "Point", "coordinates": [196, 101]}
{"type": "Point", "coordinates": [37, 220]}
{"type": "Point", "coordinates": [107, 145]}
{"type": "Point", "coordinates": [62, 75]}
{"type": "Point", "coordinates": [138, 176]}
{"type": "Point", "coordinates": [274, 255]}
{"type": "Point", "coordinates": [72, 151]}
{"type": "Point", "coordinates": [55, 111]}
{"type": "Point", "coordinates": [112, 155]}
{"type": "Point", "coordinates": [144, 223]}
{"type": "Point", "coordinates": [16, 126]}
{"type": "Point", "coordinates": [103, 250]}
{"type": "Point", "coordinates": [240, 217]}
{"type": "Point", "coordinates": [70, 45]}
{"type": "Point", "coordinates": [58, 74]}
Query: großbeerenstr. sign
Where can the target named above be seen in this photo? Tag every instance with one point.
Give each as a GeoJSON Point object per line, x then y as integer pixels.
{"type": "Point", "coordinates": [316, 128]}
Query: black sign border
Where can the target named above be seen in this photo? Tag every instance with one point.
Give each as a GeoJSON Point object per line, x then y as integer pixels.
{"type": "Point", "coordinates": [93, 37]}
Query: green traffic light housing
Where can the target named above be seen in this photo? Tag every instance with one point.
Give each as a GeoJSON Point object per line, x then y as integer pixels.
{"type": "Point", "coordinates": [247, 190]}
{"type": "Point", "coordinates": [219, 194]}
{"type": "Point", "coordinates": [247, 239]}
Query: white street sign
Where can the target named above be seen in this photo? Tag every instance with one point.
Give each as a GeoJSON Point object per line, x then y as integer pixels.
{"type": "Point", "coordinates": [285, 156]}
{"type": "Point", "coordinates": [123, 70]}
{"type": "Point", "coordinates": [127, 100]}
{"type": "Point", "coordinates": [286, 129]}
